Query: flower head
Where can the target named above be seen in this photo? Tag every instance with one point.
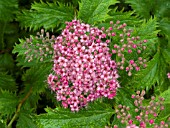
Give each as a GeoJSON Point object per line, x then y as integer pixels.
{"type": "Point", "coordinates": [83, 69]}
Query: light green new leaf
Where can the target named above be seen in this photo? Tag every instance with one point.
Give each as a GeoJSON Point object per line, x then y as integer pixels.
{"type": "Point", "coordinates": [147, 77]}
{"type": "Point", "coordinates": [25, 121]}
{"type": "Point", "coordinates": [93, 11]}
{"type": "Point", "coordinates": [7, 9]}
{"type": "Point", "coordinates": [96, 116]}
{"type": "Point", "coordinates": [8, 102]}
{"type": "Point", "coordinates": [7, 82]}
{"type": "Point", "coordinates": [47, 15]}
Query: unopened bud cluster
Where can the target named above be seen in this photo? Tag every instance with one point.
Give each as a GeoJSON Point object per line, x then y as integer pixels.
{"type": "Point", "coordinates": [145, 114]}
{"type": "Point", "coordinates": [39, 47]}
{"type": "Point", "coordinates": [83, 69]}
{"type": "Point", "coordinates": [127, 47]}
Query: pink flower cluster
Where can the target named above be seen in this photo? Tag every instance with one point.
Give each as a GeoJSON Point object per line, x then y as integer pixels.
{"type": "Point", "coordinates": [83, 69]}
{"type": "Point", "coordinates": [127, 47]}
{"type": "Point", "coordinates": [145, 114]}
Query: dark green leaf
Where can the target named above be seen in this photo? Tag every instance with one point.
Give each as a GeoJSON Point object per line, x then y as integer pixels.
{"type": "Point", "coordinates": [97, 115]}
{"type": "Point", "coordinates": [164, 26]}
{"type": "Point", "coordinates": [93, 11]}
{"type": "Point", "coordinates": [25, 121]}
{"type": "Point", "coordinates": [6, 62]}
{"type": "Point", "coordinates": [147, 77]}
{"type": "Point", "coordinates": [36, 77]}
{"type": "Point", "coordinates": [7, 82]}
{"type": "Point", "coordinates": [47, 15]}
{"type": "Point", "coordinates": [161, 8]}
{"type": "Point", "coordinates": [7, 9]}
{"type": "Point", "coordinates": [8, 102]}
{"type": "Point", "coordinates": [142, 7]}
{"type": "Point", "coordinates": [166, 55]}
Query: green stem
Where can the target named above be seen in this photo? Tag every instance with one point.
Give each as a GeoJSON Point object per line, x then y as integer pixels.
{"type": "Point", "coordinates": [2, 26]}
{"type": "Point", "coordinates": [19, 108]}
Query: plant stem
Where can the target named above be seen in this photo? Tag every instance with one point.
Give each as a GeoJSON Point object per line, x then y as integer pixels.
{"type": "Point", "coordinates": [19, 108]}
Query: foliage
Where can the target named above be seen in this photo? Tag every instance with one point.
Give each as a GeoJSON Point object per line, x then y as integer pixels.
{"type": "Point", "coordinates": [59, 117]}
{"type": "Point", "coordinates": [26, 58]}
{"type": "Point", "coordinates": [47, 15]}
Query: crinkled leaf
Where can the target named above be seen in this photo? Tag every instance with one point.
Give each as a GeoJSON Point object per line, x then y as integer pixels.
{"type": "Point", "coordinates": [97, 115]}
{"type": "Point", "coordinates": [123, 17]}
{"type": "Point", "coordinates": [142, 7]}
{"type": "Point", "coordinates": [8, 102]}
{"type": "Point", "coordinates": [93, 11]}
{"type": "Point", "coordinates": [7, 9]}
{"type": "Point", "coordinates": [36, 77]}
{"type": "Point", "coordinates": [147, 30]}
{"type": "Point", "coordinates": [7, 82]}
{"type": "Point", "coordinates": [25, 121]}
{"type": "Point", "coordinates": [47, 15]}
{"type": "Point", "coordinates": [147, 77]}
{"type": "Point", "coordinates": [164, 26]}
{"type": "Point", "coordinates": [124, 97]}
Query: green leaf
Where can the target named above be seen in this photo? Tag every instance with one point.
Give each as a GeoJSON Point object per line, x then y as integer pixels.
{"type": "Point", "coordinates": [166, 55]}
{"type": "Point", "coordinates": [6, 62]}
{"type": "Point", "coordinates": [125, 17]}
{"type": "Point", "coordinates": [8, 102]}
{"type": "Point", "coordinates": [142, 7]}
{"type": "Point", "coordinates": [161, 8]}
{"type": "Point", "coordinates": [148, 29]}
{"type": "Point", "coordinates": [147, 77]}
{"type": "Point", "coordinates": [7, 9]}
{"type": "Point", "coordinates": [93, 11]}
{"type": "Point", "coordinates": [166, 112]}
{"type": "Point", "coordinates": [25, 121]}
{"type": "Point", "coordinates": [36, 77]}
{"type": "Point", "coordinates": [7, 82]}
{"type": "Point", "coordinates": [2, 124]}
{"type": "Point", "coordinates": [164, 26]}
{"type": "Point", "coordinates": [97, 115]}
{"type": "Point", "coordinates": [47, 15]}
{"type": "Point", "coordinates": [166, 96]}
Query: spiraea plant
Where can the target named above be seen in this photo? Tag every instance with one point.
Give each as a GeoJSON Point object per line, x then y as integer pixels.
{"type": "Point", "coordinates": [82, 61]}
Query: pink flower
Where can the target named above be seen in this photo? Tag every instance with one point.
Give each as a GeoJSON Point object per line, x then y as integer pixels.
{"type": "Point", "coordinates": [83, 69]}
